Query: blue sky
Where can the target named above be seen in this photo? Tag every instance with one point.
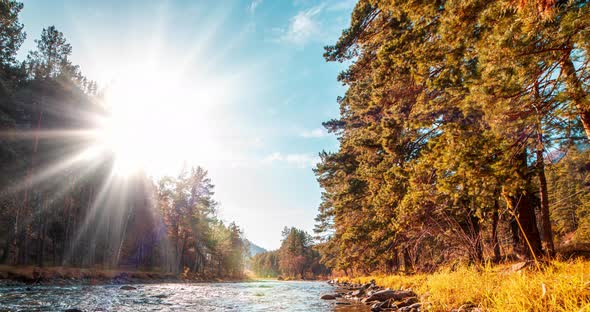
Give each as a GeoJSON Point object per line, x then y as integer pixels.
{"type": "Point", "coordinates": [258, 63]}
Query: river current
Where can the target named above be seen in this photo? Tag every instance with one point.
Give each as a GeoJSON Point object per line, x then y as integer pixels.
{"type": "Point", "coordinates": [245, 296]}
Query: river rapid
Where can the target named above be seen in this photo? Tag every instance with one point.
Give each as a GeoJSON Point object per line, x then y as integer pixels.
{"type": "Point", "coordinates": [244, 296]}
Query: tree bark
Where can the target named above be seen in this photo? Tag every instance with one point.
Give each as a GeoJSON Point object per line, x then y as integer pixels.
{"type": "Point", "coordinates": [476, 237]}
{"type": "Point", "coordinates": [495, 241]}
{"type": "Point", "coordinates": [545, 218]}
{"type": "Point", "coordinates": [408, 267]}
{"type": "Point", "coordinates": [520, 201]}
{"type": "Point", "coordinates": [529, 240]}
{"type": "Point", "coordinates": [578, 96]}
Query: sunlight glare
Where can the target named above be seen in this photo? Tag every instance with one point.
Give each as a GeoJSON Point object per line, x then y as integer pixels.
{"type": "Point", "coordinates": [156, 121]}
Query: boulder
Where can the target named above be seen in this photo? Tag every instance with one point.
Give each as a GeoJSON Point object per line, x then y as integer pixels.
{"type": "Point", "coordinates": [408, 302]}
{"type": "Point", "coordinates": [383, 306]}
{"type": "Point", "coordinates": [376, 307]}
{"type": "Point", "coordinates": [386, 294]}
{"type": "Point", "coordinates": [358, 292]}
{"type": "Point", "coordinates": [127, 287]}
{"type": "Point", "coordinates": [411, 308]}
{"type": "Point", "coordinates": [328, 297]}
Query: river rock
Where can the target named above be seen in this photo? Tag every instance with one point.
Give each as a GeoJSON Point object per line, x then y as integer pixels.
{"type": "Point", "coordinates": [328, 297]}
{"type": "Point", "coordinates": [358, 292]}
{"type": "Point", "coordinates": [127, 287]}
{"type": "Point", "coordinates": [385, 294]}
{"type": "Point", "coordinates": [408, 302]}
{"type": "Point", "coordinates": [380, 306]}
{"type": "Point", "coordinates": [411, 308]}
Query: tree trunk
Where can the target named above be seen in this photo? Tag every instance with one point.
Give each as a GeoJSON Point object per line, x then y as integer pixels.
{"type": "Point", "coordinates": [576, 92]}
{"type": "Point", "coordinates": [495, 241]}
{"type": "Point", "coordinates": [42, 230]}
{"type": "Point", "coordinates": [6, 248]}
{"type": "Point", "coordinates": [21, 238]}
{"type": "Point", "coordinates": [521, 204]}
{"type": "Point", "coordinates": [529, 240]}
{"type": "Point", "coordinates": [395, 260]}
{"type": "Point", "coordinates": [408, 267]}
{"type": "Point", "coordinates": [545, 219]}
{"type": "Point", "coordinates": [476, 238]}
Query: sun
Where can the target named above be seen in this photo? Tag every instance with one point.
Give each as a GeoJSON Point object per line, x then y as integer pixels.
{"type": "Point", "coordinates": [157, 120]}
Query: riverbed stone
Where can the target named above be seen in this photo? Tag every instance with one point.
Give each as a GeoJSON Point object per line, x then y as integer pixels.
{"type": "Point", "coordinates": [328, 297]}
{"type": "Point", "coordinates": [385, 294]}
{"type": "Point", "coordinates": [411, 308]}
{"type": "Point", "coordinates": [127, 287]}
{"type": "Point", "coordinates": [408, 302]}
{"type": "Point", "coordinates": [358, 292]}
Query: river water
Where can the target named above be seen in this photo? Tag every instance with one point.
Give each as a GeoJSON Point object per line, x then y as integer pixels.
{"type": "Point", "coordinates": [246, 296]}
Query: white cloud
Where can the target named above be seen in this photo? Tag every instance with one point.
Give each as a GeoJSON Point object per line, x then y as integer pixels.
{"type": "Point", "coordinates": [303, 27]}
{"type": "Point", "coordinates": [253, 5]}
{"type": "Point", "coordinates": [315, 133]}
{"type": "Point", "coordinates": [298, 160]}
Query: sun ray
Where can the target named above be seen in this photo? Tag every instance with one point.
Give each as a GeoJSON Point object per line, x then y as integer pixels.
{"type": "Point", "coordinates": [91, 215]}
{"type": "Point", "coordinates": [48, 134]}
{"type": "Point", "coordinates": [53, 170]}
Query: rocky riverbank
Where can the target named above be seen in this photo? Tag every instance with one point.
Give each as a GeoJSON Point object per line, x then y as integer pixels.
{"type": "Point", "coordinates": [379, 298]}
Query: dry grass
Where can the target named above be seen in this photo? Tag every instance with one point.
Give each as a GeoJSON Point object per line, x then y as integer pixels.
{"type": "Point", "coordinates": [557, 286]}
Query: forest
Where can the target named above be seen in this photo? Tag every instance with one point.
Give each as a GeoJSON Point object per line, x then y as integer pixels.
{"type": "Point", "coordinates": [297, 258]}
{"type": "Point", "coordinates": [463, 136]}
{"type": "Point", "coordinates": [62, 204]}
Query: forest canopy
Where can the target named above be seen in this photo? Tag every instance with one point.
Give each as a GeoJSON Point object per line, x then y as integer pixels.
{"type": "Point", "coordinates": [463, 134]}
{"type": "Point", "coordinates": [297, 258]}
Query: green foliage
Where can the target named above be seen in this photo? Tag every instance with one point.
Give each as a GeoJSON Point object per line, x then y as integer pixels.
{"type": "Point", "coordinates": [569, 180]}
{"type": "Point", "coordinates": [11, 32]}
{"type": "Point", "coordinates": [450, 110]}
{"type": "Point", "coordinates": [51, 59]}
{"type": "Point", "coordinates": [296, 258]}
{"type": "Point", "coordinates": [266, 264]}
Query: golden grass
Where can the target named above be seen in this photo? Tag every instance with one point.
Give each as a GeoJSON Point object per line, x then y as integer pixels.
{"type": "Point", "coordinates": [558, 286]}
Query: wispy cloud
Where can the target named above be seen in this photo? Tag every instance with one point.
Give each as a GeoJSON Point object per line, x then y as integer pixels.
{"type": "Point", "coordinates": [303, 27]}
{"type": "Point", "coordinates": [314, 133]}
{"type": "Point", "coordinates": [298, 160]}
{"type": "Point", "coordinates": [253, 5]}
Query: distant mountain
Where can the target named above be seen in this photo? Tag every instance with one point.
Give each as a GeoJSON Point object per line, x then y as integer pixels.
{"type": "Point", "coordinates": [253, 248]}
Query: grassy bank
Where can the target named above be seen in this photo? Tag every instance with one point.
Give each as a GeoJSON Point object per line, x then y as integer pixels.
{"type": "Point", "coordinates": [69, 275]}
{"type": "Point", "coordinates": [557, 286]}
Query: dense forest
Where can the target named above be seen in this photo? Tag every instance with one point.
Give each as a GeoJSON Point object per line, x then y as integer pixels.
{"type": "Point", "coordinates": [297, 258]}
{"type": "Point", "coordinates": [463, 135]}
{"type": "Point", "coordinates": [61, 204]}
